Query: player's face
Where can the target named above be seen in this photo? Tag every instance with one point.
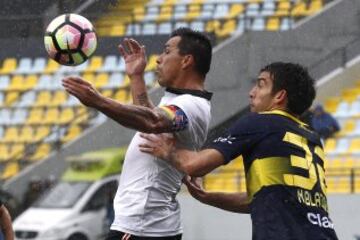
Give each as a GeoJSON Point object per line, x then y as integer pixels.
{"type": "Point", "coordinates": [261, 97]}
{"type": "Point", "coordinates": [169, 63]}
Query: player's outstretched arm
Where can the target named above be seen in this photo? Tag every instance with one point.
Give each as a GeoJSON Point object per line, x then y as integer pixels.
{"type": "Point", "coordinates": [140, 118]}
{"type": "Point", "coordinates": [5, 223]}
{"type": "Point", "coordinates": [190, 162]}
{"type": "Point", "coordinates": [135, 62]}
{"type": "Point", "coordinates": [233, 202]}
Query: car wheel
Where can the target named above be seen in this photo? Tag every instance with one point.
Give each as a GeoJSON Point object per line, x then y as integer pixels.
{"type": "Point", "coordinates": [77, 236]}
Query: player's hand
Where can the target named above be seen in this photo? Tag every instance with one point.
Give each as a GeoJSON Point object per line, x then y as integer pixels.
{"type": "Point", "coordinates": [134, 56]}
{"type": "Point", "coordinates": [159, 145]}
{"type": "Point", "coordinates": [194, 186]}
{"type": "Point", "coordinates": [82, 90]}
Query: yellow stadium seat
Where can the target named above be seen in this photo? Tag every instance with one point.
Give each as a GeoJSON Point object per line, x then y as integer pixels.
{"type": "Point", "coordinates": [357, 185]}
{"type": "Point", "coordinates": [193, 12]}
{"type": "Point", "coordinates": [283, 9]}
{"type": "Point", "coordinates": [82, 115]}
{"type": "Point", "coordinates": [151, 65]}
{"type": "Point", "coordinates": [9, 65]}
{"type": "Point", "coordinates": [273, 24]}
{"type": "Point", "coordinates": [122, 95]}
{"type": "Point", "coordinates": [89, 77]}
{"type": "Point", "coordinates": [354, 146]}
{"type": "Point", "coordinates": [331, 104]}
{"type": "Point", "coordinates": [348, 127]}
{"type": "Point", "coordinates": [59, 98]}
{"type": "Point", "coordinates": [66, 115]}
{"type": "Point", "coordinates": [17, 83]}
{"type": "Point", "coordinates": [299, 10]}
{"type": "Point", "coordinates": [139, 13]}
{"type": "Point", "coordinates": [315, 6]}
{"type": "Point", "coordinates": [30, 81]}
{"type": "Point", "coordinates": [10, 170]}
{"type": "Point", "coordinates": [330, 145]}
{"type": "Point", "coordinates": [212, 26]}
{"type": "Point", "coordinates": [51, 116]}
{"type": "Point", "coordinates": [17, 151]}
{"type": "Point", "coordinates": [41, 132]}
{"type": "Point", "coordinates": [11, 97]}
{"type": "Point", "coordinates": [43, 98]}
{"type": "Point", "coordinates": [236, 10]}
{"type": "Point", "coordinates": [72, 132]}
{"type": "Point", "coordinates": [41, 152]}
{"type": "Point", "coordinates": [166, 12]}
{"type": "Point", "coordinates": [51, 67]}
{"type": "Point", "coordinates": [95, 63]}
{"type": "Point", "coordinates": [101, 80]}
{"type": "Point", "coordinates": [117, 30]}
{"type": "Point", "coordinates": [11, 135]}
{"type": "Point", "coordinates": [227, 29]}
{"type": "Point", "coordinates": [36, 116]}
{"type": "Point", "coordinates": [26, 134]}
{"type": "Point", "coordinates": [4, 152]}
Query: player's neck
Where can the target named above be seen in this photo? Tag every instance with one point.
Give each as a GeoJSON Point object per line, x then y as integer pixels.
{"type": "Point", "coordinates": [189, 81]}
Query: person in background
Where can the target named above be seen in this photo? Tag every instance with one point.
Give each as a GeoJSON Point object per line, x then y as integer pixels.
{"type": "Point", "coordinates": [324, 123]}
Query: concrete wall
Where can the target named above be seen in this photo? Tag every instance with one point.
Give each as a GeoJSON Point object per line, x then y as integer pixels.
{"type": "Point", "coordinates": [202, 222]}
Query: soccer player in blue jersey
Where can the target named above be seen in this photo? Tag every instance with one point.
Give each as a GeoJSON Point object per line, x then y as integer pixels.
{"type": "Point", "coordinates": [283, 160]}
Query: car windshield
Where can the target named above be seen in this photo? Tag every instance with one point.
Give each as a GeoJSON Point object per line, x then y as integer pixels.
{"type": "Point", "coordinates": [63, 195]}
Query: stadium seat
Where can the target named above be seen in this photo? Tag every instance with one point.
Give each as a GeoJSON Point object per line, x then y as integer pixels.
{"type": "Point", "coordinates": [11, 135]}
{"type": "Point", "coordinates": [5, 116]}
{"type": "Point", "coordinates": [24, 67]}
{"type": "Point", "coordinates": [51, 67]}
{"type": "Point", "coordinates": [59, 98]}
{"type": "Point", "coordinates": [72, 132]}
{"type": "Point", "coordinates": [4, 152]}
{"type": "Point", "coordinates": [39, 65]}
{"type": "Point", "coordinates": [41, 133]}
{"type": "Point", "coordinates": [26, 134]}
{"type": "Point", "coordinates": [95, 63]}
{"type": "Point", "coordinates": [9, 66]}
{"type": "Point", "coordinates": [36, 116]}
{"type": "Point", "coordinates": [17, 83]}
{"type": "Point", "coordinates": [110, 64]}
{"type": "Point", "coordinates": [51, 116]}
{"type": "Point", "coordinates": [2, 99]}
{"type": "Point", "coordinates": [26, 99]}
{"type": "Point", "coordinates": [165, 28]}
{"type": "Point", "coordinates": [354, 146]}
{"type": "Point", "coordinates": [4, 82]}
{"type": "Point", "coordinates": [11, 98]}
{"type": "Point", "coordinates": [122, 95]}
{"type": "Point", "coordinates": [19, 116]}
{"type": "Point", "coordinates": [66, 115]}
{"type": "Point", "coordinates": [11, 169]}
{"type": "Point", "coordinates": [43, 99]}
{"type": "Point", "coordinates": [165, 14]}
{"type": "Point", "coordinates": [41, 152]}
{"type": "Point", "coordinates": [273, 24]}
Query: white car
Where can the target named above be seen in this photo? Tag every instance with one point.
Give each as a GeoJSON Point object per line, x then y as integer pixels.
{"type": "Point", "coordinates": [73, 210]}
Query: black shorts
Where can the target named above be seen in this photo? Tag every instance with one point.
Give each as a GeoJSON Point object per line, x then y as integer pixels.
{"type": "Point", "coordinates": [116, 235]}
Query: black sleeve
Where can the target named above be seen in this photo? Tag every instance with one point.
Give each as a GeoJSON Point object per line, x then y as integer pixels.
{"type": "Point", "coordinates": [240, 138]}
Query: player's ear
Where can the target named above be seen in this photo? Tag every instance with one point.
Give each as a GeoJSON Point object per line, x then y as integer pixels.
{"type": "Point", "coordinates": [187, 61]}
{"type": "Point", "coordinates": [281, 96]}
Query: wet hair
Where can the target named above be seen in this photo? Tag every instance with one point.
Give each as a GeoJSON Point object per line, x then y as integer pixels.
{"type": "Point", "coordinates": [296, 81]}
{"type": "Point", "coordinates": [198, 45]}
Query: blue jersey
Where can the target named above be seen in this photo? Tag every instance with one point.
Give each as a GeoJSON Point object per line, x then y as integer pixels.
{"type": "Point", "coordinates": [285, 176]}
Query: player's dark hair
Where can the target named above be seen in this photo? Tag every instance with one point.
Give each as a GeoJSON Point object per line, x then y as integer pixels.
{"type": "Point", "coordinates": [297, 82]}
{"type": "Point", "coordinates": [198, 45]}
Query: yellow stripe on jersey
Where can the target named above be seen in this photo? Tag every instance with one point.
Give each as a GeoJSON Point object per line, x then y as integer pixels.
{"type": "Point", "coordinates": [266, 172]}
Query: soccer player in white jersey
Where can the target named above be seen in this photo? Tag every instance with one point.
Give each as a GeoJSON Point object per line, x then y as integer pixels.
{"type": "Point", "coordinates": [145, 203]}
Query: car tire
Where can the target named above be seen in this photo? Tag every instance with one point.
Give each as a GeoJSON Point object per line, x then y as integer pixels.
{"type": "Point", "coordinates": [77, 236]}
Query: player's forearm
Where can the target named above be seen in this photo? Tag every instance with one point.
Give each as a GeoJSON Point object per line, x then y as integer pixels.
{"type": "Point", "coordinates": [195, 164]}
{"type": "Point", "coordinates": [233, 202]}
{"type": "Point", "coordinates": [139, 91]}
{"type": "Point", "coordinates": [136, 117]}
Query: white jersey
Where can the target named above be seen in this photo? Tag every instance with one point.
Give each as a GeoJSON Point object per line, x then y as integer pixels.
{"type": "Point", "coordinates": [145, 203]}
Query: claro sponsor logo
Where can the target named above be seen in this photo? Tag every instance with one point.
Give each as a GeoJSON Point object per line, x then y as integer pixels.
{"type": "Point", "coordinates": [317, 219]}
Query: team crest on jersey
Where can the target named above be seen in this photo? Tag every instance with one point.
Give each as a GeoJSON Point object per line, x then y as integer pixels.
{"type": "Point", "coordinates": [229, 139]}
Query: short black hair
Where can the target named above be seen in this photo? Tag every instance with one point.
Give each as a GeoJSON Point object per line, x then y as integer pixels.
{"type": "Point", "coordinates": [297, 82]}
{"type": "Point", "coordinates": [198, 45]}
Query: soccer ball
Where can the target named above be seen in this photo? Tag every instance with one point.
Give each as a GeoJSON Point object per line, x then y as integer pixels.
{"type": "Point", "coordinates": [70, 39]}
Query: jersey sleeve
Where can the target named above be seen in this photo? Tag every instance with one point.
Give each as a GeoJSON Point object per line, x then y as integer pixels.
{"type": "Point", "coordinates": [177, 116]}
{"type": "Point", "coordinates": [239, 138]}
